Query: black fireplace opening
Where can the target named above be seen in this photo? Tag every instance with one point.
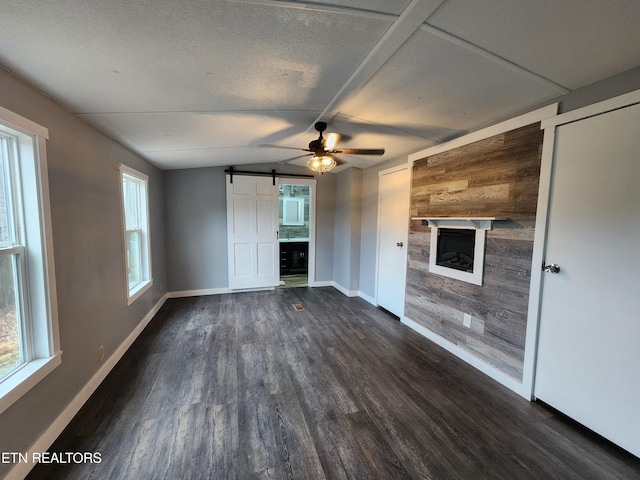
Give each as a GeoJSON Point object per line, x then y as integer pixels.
{"type": "Point", "coordinates": [455, 248]}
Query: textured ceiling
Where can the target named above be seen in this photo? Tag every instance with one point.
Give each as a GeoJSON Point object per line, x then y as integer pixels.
{"type": "Point", "coordinates": [201, 82]}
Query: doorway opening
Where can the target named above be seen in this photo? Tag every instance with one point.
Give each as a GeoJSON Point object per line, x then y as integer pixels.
{"type": "Point", "coordinates": [296, 233]}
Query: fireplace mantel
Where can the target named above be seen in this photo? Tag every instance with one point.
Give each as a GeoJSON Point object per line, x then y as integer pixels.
{"type": "Point", "coordinates": [479, 223]}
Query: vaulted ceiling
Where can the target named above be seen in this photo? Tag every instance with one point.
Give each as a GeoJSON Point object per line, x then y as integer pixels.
{"type": "Point", "coordinates": [192, 83]}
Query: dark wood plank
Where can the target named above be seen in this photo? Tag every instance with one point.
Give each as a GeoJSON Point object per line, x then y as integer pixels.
{"type": "Point", "coordinates": [293, 438]}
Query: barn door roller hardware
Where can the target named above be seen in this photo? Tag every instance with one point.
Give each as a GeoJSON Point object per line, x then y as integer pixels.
{"type": "Point", "coordinates": [273, 174]}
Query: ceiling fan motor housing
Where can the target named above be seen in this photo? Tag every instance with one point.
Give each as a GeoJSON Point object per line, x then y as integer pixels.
{"type": "Point", "coordinates": [316, 145]}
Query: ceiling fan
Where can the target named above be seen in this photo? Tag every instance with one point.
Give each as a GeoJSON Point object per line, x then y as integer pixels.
{"type": "Point", "coordinates": [323, 150]}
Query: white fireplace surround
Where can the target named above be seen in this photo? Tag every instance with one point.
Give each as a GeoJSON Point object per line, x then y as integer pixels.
{"type": "Point", "coordinates": [480, 225]}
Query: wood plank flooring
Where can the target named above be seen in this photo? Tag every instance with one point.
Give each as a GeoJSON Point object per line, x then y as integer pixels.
{"type": "Point", "coordinates": [243, 386]}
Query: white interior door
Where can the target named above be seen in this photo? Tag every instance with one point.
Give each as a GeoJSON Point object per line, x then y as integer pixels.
{"type": "Point", "coordinates": [393, 236]}
{"type": "Point", "coordinates": [589, 337]}
{"type": "Point", "coordinates": [252, 232]}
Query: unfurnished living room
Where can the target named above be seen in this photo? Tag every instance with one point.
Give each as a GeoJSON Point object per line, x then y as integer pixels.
{"type": "Point", "coordinates": [330, 239]}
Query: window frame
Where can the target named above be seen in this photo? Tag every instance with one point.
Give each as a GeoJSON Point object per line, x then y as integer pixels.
{"type": "Point", "coordinates": [31, 246]}
{"type": "Point", "coordinates": [132, 293]}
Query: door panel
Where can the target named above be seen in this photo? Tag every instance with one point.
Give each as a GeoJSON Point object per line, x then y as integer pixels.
{"type": "Point", "coordinates": [394, 230]}
{"type": "Point", "coordinates": [265, 220]}
{"type": "Point", "coordinates": [252, 226]}
{"type": "Point", "coordinates": [242, 215]}
{"type": "Point", "coordinates": [589, 337]}
{"type": "Point", "coordinates": [242, 260]}
{"type": "Point", "coordinates": [265, 264]}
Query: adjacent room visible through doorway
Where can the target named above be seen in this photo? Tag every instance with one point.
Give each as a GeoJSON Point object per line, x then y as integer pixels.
{"type": "Point", "coordinates": [296, 232]}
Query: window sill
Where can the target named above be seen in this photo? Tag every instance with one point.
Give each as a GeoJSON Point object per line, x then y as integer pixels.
{"type": "Point", "coordinates": [137, 292]}
{"type": "Point", "coordinates": [23, 380]}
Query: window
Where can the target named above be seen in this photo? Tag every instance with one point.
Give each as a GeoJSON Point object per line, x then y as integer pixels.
{"type": "Point", "coordinates": [135, 221]}
{"type": "Point", "coordinates": [29, 340]}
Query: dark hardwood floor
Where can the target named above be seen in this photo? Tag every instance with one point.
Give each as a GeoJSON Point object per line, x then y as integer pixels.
{"type": "Point", "coordinates": [243, 386]}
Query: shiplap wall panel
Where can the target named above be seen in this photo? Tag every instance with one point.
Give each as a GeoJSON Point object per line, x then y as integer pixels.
{"type": "Point", "coordinates": [494, 177]}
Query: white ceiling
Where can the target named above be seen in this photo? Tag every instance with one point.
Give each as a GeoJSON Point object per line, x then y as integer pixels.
{"type": "Point", "coordinates": [192, 83]}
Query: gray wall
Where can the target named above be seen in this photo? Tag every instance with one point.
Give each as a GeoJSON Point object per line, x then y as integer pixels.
{"type": "Point", "coordinates": [325, 218]}
{"type": "Point", "coordinates": [604, 89]}
{"type": "Point", "coordinates": [196, 225]}
{"type": "Point", "coordinates": [347, 235]}
{"type": "Point", "coordinates": [85, 210]}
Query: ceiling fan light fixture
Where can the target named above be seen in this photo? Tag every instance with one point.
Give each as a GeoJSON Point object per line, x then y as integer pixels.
{"type": "Point", "coordinates": [321, 163]}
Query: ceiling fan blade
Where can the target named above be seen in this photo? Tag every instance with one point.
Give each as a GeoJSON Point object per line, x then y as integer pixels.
{"type": "Point", "coordinates": [294, 158]}
{"type": "Point", "coordinates": [285, 148]}
{"type": "Point", "coordinates": [361, 151]}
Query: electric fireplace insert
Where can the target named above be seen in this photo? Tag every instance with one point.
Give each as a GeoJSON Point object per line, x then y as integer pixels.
{"type": "Point", "coordinates": [456, 247]}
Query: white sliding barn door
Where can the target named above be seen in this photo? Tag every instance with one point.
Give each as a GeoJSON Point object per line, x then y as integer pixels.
{"type": "Point", "coordinates": [589, 337]}
{"type": "Point", "coordinates": [252, 232]}
{"type": "Point", "coordinates": [393, 237]}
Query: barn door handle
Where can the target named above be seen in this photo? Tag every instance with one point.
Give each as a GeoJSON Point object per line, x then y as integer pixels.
{"type": "Point", "coordinates": [400, 244]}
{"type": "Point", "coordinates": [552, 268]}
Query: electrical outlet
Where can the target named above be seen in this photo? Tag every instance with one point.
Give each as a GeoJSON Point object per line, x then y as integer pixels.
{"type": "Point", "coordinates": [467, 320]}
{"type": "Point", "coordinates": [354, 284]}
{"type": "Point", "coordinates": [100, 353]}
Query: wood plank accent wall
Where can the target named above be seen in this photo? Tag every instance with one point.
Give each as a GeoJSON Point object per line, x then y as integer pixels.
{"type": "Point", "coordinates": [495, 177]}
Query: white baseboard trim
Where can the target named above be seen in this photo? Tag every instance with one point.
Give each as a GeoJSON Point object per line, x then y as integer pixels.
{"type": "Point", "coordinates": [198, 293]}
{"type": "Point", "coordinates": [472, 360]}
{"type": "Point", "coordinates": [21, 470]}
{"type": "Point", "coordinates": [214, 291]}
{"type": "Point", "coordinates": [368, 298]}
{"type": "Point", "coordinates": [259, 289]}
{"type": "Point", "coordinates": [348, 293]}
{"type": "Point", "coordinates": [344, 291]}
{"type": "Point", "coordinates": [220, 291]}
